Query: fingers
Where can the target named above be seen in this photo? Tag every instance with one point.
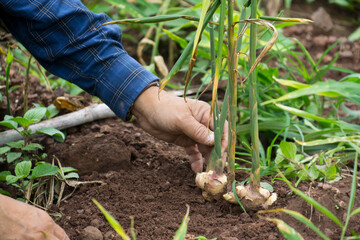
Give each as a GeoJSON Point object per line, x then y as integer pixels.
{"type": "Point", "coordinates": [198, 132]}
{"type": "Point", "coordinates": [195, 158]}
{"type": "Point", "coordinates": [205, 151]}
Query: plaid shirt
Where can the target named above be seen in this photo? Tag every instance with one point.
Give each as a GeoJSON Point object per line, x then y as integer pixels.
{"type": "Point", "coordinates": [61, 35]}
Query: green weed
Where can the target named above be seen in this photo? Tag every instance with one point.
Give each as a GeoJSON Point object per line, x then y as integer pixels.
{"type": "Point", "coordinates": [36, 180]}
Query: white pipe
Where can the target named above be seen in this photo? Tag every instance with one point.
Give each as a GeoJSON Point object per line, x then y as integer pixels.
{"type": "Point", "coordinates": [85, 115]}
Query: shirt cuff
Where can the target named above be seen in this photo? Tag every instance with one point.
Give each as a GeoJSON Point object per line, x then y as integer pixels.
{"type": "Point", "coordinates": [121, 84]}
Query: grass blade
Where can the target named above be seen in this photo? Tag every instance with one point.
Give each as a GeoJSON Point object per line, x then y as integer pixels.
{"type": "Point", "coordinates": [267, 47]}
{"type": "Point", "coordinates": [153, 19]}
{"type": "Point", "coordinates": [352, 194]}
{"type": "Point", "coordinates": [356, 211]}
{"type": "Point", "coordinates": [181, 232]}
{"type": "Point", "coordinates": [317, 118]}
{"type": "Point", "coordinates": [202, 24]}
{"type": "Point", "coordinates": [288, 232]}
{"type": "Point", "coordinates": [299, 217]}
{"type": "Point", "coordinates": [236, 196]}
{"type": "Point", "coordinates": [291, 83]}
{"type": "Point", "coordinates": [326, 51]}
{"type": "Point", "coordinates": [219, 53]}
{"type": "Point", "coordinates": [188, 48]}
{"type": "Point", "coordinates": [307, 55]}
{"type": "Point", "coordinates": [329, 140]}
{"type": "Point", "coordinates": [312, 202]}
{"type": "Point", "coordinates": [329, 89]}
{"type": "Point", "coordinates": [282, 19]}
{"type": "Point", "coordinates": [114, 224]}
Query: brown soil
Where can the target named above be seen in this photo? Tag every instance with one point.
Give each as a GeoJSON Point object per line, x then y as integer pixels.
{"type": "Point", "coordinates": [152, 181]}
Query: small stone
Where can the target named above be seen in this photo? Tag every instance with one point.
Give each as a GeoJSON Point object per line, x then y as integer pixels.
{"type": "Point", "coordinates": [96, 223]}
{"type": "Point", "coordinates": [320, 41]}
{"type": "Point", "coordinates": [346, 54]}
{"type": "Point", "coordinates": [91, 233]}
{"type": "Point", "coordinates": [80, 211]}
{"type": "Point", "coordinates": [342, 204]}
{"type": "Point", "coordinates": [272, 237]}
{"type": "Point", "coordinates": [328, 232]}
{"type": "Point", "coordinates": [322, 20]}
{"type": "Point", "coordinates": [105, 129]}
{"type": "Point", "coordinates": [326, 186]}
{"type": "Point", "coordinates": [327, 59]}
{"type": "Point", "coordinates": [149, 197]}
{"type": "Point", "coordinates": [332, 39]}
{"type": "Point", "coordinates": [95, 127]}
{"type": "Point", "coordinates": [109, 235]}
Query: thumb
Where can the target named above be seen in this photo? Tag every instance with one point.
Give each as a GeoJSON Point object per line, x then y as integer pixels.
{"type": "Point", "coordinates": [198, 132]}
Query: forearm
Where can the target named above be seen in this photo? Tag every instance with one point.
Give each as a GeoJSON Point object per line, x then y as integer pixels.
{"type": "Point", "coordinates": [64, 36]}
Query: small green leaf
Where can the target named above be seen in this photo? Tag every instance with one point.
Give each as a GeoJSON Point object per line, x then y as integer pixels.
{"type": "Point", "coordinates": [75, 90]}
{"type": "Point", "coordinates": [300, 218]}
{"type": "Point", "coordinates": [44, 169]}
{"type": "Point", "coordinates": [181, 232]}
{"type": "Point", "coordinates": [51, 111]}
{"type": "Point", "coordinates": [114, 224]}
{"type": "Point", "coordinates": [52, 132]}
{"type": "Point", "coordinates": [17, 144]}
{"type": "Point", "coordinates": [313, 172]}
{"type": "Point", "coordinates": [12, 156]}
{"type": "Point", "coordinates": [35, 114]}
{"type": "Point", "coordinates": [32, 147]}
{"type": "Point", "coordinates": [331, 172]}
{"type": "Point", "coordinates": [315, 204]}
{"type": "Point", "coordinates": [4, 149]}
{"type": "Point", "coordinates": [9, 124]}
{"type": "Point", "coordinates": [9, 57]}
{"type": "Point", "coordinates": [288, 149]}
{"type": "Point", "coordinates": [287, 231]}
{"type": "Point", "coordinates": [3, 175]}
{"type": "Point", "coordinates": [5, 192]}
{"type": "Point", "coordinates": [23, 121]}
{"type": "Point", "coordinates": [355, 35]}
{"type": "Point", "coordinates": [22, 169]}
{"type": "Point", "coordinates": [356, 211]}
{"type": "Point", "coordinates": [10, 179]}
{"type": "Point", "coordinates": [71, 175]}
{"type": "Point", "coordinates": [68, 169]}
{"type": "Point", "coordinates": [279, 157]}
{"type": "Point", "coordinates": [267, 186]}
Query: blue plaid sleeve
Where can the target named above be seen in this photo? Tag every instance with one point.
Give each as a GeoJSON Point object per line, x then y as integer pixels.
{"type": "Point", "coordinates": [63, 35]}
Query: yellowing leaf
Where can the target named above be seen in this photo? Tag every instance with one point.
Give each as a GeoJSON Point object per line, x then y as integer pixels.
{"type": "Point", "coordinates": [67, 104]}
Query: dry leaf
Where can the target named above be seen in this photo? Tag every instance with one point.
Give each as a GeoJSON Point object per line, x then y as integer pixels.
{"type": "Point", "coordinates": [67, 104]}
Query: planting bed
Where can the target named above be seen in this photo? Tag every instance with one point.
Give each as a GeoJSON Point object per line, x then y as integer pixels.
{"type": "Point", "coordinates": [152, 181]}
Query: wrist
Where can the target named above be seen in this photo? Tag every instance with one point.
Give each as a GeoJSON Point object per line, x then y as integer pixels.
{"type": "Point", "coordinates": [132, 111]}
{"type": "Point", "coordinates": [146, 101]}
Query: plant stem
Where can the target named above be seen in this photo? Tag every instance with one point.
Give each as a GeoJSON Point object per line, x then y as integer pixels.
{"type": "Point", "coordinates": [254, 129]}
{"type": "Point", "coordinates": [7, 86]}
{"type": "Point", "coordinates": [26, 87]}
{"type": "Point", "coordinates": [233, 93]}
{"type": "Point", "coordinates": [155, 50]}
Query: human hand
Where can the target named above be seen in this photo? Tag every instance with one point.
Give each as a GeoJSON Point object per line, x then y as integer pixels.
{"type": "Point", "coordinates": [20, 221]}
{"type": "Point", "coordinates": [170, 118]}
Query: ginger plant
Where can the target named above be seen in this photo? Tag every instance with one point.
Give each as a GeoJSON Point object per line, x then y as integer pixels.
{"type": "Point", "coordinates": [214, 181]}
{"type": "Point", "coordinates": [252, 196]}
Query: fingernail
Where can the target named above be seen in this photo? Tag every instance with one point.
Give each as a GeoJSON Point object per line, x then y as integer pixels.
{"type": "Point", "coordinates": [211, 138]}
